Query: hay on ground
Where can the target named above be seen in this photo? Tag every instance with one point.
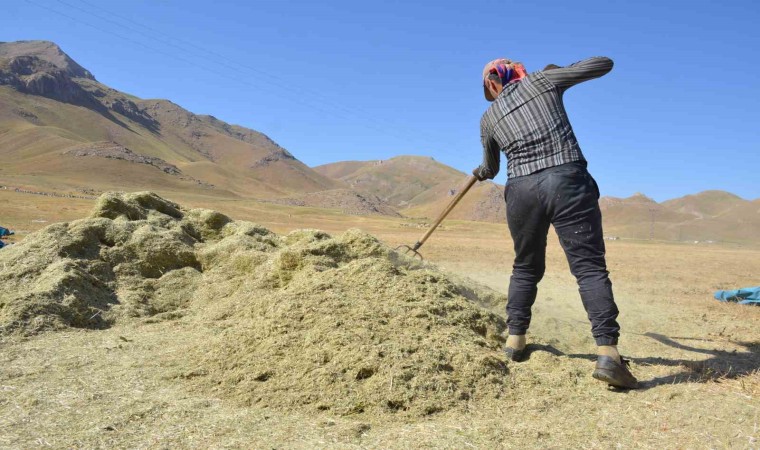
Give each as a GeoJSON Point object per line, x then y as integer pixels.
{"type": "Point", "coordinates": [306, 320]}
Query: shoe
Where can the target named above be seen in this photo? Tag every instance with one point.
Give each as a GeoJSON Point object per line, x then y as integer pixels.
{"type": "Point", "coordinates": [514, 354]}
{"type": "Point", "coordinates": [615, 374]}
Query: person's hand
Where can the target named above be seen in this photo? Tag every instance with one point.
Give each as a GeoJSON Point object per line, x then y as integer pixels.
{"type": "Point", "coordinates": [551, 67]}
{"type": "Point", "coordinates": [476, 173]}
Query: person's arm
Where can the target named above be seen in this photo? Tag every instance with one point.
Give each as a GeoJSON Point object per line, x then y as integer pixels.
{"type": "Point", "coordinates": [489, 168]}
{"type": "Point", "coordinates": [588, 69]}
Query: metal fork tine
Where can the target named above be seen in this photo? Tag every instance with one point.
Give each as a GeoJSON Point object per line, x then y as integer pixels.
{"type": "Point", "coordinates": [470, 182]}
{"type": "Point", "coordinates": [410, 249]}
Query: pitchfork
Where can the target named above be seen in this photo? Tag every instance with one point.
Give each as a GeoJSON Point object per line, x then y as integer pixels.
{"type": "Point", "coordinates": [446, 211]}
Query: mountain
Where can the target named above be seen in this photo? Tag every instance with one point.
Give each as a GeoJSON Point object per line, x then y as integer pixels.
{"type": "Point", "coordinates": [397, 180]}
{"type": "Point", "coordinates": [706, 216]}
{"type": "Point", "coordinates": [422, 187]}
{"type": "Point", "coordinates": [61, 128]}
{"type": "Point", "coordinates": [419, 186]}
{"type": "Point", "coordinates": [707, 203]}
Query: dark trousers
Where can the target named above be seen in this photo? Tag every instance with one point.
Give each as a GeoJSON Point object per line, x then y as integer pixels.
{"type": "Point", "coordinates": [565, 196]}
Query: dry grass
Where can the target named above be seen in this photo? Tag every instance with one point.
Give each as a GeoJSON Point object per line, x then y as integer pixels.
{"type": "Point", "coordinates": [130, 385]}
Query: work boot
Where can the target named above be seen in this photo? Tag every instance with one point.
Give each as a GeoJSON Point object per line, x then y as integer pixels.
{"type": "Point", "coordinates": [614, 373]}
{"type": "Point", "coordinates": [515, 348]}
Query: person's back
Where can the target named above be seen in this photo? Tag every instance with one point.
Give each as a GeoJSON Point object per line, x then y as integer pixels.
{"type": "Point", "coordinates": [548, 184]}
{"type": "Point", "coordinates": [528, 122]}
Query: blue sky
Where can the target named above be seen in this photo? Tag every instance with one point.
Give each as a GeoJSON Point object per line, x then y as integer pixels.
{"type": "Point", "coordinates": [348, 80]}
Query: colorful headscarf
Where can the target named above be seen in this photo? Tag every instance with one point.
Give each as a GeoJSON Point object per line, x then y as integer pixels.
{"type": "Point", "coordinates": [508, 71]}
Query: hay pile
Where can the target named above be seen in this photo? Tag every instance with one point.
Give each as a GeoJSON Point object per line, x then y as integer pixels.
{"type": "Point", "coordinates": [306, 320]}
{"type": "Point", "coordinates": [122, 261]}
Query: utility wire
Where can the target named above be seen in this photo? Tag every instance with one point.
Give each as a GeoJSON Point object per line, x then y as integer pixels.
{"type": "Point", "coordinates": [274, 79]}
{"type": "Point", "coordinates": [278, 81]}
{"type": "Point", "coordinates": [285, 89]}
{"type": "Point", "coordinates": [171, 55]}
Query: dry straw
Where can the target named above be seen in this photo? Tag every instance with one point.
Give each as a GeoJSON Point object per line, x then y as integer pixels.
{"type": "Point", "coordinates": [306, 321]}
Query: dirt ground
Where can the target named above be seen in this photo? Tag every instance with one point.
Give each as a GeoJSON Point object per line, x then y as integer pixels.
{"type": "Point", "coordinates": [130, 386]}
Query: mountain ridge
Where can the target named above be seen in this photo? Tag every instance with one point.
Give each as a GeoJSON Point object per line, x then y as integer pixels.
{"type": "Point", "coordinates": [47, 51]}
{"type": "Point", "coordinates": [710, 215]}
{"type": "Point", "coordinates": [49, 104]}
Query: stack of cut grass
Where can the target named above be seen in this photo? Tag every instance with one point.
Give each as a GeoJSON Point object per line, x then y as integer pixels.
{"type": "Point", "coordinates": [306, 320]}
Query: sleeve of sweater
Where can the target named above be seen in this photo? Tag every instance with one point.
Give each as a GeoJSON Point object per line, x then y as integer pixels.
{"type": "Point", "coordinates": [588, 69]}
{"type": "Point", "coordinates": [489, 168]}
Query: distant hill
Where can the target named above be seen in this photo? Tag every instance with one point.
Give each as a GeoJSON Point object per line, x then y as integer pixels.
{"type": "Point", "coordinates": [397, 180]}
{"type": "Point", "coordinates": [419, 186]}
{"type": "Point", "coordinates": [707, 216]}
{"type": "Point", "coordinates": [60, 127]}
{"type": "Point", "coordinates": [707, 203]}
{"type": "Point", "coordinates": [422, 187]}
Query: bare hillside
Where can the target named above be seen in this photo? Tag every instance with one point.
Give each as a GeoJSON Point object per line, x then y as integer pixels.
{"type": "Point", "coordinates": [397, 180]}
{"type": "Point", "coordinates": [420, 187]}
{"type": "Point", "coordinates": [709, 216]}
{"type": "Point", "coordinates": [707, 203]}
{"type": "Point", "coordinates": [50, 107]}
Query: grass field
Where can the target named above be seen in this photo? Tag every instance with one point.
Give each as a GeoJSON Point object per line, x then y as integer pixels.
{"type": "Point", "coordinates": [697, 359]}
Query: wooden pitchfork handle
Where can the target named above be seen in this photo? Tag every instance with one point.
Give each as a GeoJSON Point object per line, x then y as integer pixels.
{"type": "Point", "coordinates": [470, 182]}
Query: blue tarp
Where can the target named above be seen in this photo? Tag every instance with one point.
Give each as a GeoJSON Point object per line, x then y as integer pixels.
{"type": "Point", "coordinates": [4, 232]}
{"type": "Point", "coordinates": [744, 296]}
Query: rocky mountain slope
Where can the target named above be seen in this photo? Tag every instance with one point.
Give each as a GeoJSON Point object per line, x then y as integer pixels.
{"type": "Point", "coordinates": [69, 131]}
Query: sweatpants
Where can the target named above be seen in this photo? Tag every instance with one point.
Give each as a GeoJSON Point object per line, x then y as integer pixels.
{"type": "Point", "coordinates": [565, 196]}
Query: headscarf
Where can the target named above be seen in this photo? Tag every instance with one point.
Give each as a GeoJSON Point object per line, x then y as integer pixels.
{"type": "Point", "coordinates": [509, 72]}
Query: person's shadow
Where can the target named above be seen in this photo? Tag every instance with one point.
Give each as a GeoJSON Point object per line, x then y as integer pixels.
{"type": "Point", "coordinates": [721, 365]}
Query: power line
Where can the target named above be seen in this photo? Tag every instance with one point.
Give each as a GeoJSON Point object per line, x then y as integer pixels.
{"type": "Point", "coordinates": [278, 80]}
{"type": "Point", "coordinates": [179, 58]}
{"type": "Point", "coordinates": [275, 83]}
{"type": "Point", "coordinates": [273, 79]}
{"type": "Point", "coordinates": [285, 89]}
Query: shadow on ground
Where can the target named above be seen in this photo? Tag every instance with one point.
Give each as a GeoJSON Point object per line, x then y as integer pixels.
{"type": "Point", "coordinates": [722, 364]}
